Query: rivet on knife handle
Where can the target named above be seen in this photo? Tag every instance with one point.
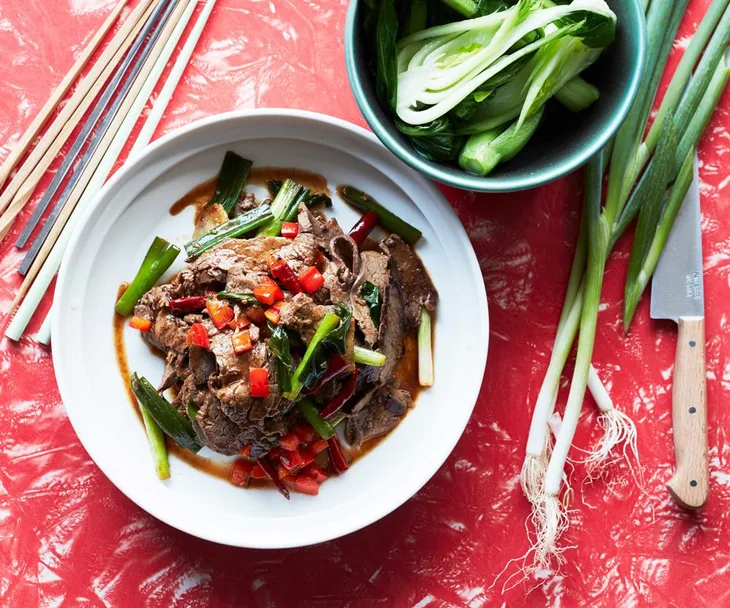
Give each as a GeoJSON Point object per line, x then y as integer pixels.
{"type": "Point", "coordinates": [690, 484]}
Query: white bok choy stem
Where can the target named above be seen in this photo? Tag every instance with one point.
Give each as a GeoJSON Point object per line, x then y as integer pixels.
{"type": "Point", "coordinates": [440, 66]}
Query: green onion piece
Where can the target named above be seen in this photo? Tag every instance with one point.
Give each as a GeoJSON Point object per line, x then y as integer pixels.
{"type": "Point", "coordinates": [484, 151]}
{"type": "Point", "coordinates": [635, 288]}
{"type": "Point", "coordinates": [280, 347]}
{"type": "Point", "coordinates": [371, 294]}
{"type": "Point", "coordinates": [172, 422]}
{"type": "Point", "coordinates": [232, 228]}
{"type": "Point", "coordinates": [363, 356]}
{"type": "Point", "coordinates": [159, 258]}
{"type": "Point", "coordinates": [425, 350]}
{"type": "Point", "coordinates": [468, 8]}
{"type": "Point", "coordinates": [156, 439]}
{"type": "Point", "coordinates": [324, 429]}
{"type": "Point", "coordinates": [237, 296]}
{"type": "Point", "coordinates": [336, 420]}
{"type": "Point", "coordinates": [577, 94]}
{"type": "Point", "coordinates": [326, 325]}
{"type": "Point", "coordinates": [386, 219]}
{"type": "Point", "coordinates": [232, 178]}
{"type": "Point", "coordinates": [191, 410]}
{"type": "Point", "coordinates": [289, 194]}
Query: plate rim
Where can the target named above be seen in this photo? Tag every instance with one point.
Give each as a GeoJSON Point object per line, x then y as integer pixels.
{"type": "Point", "coordinates": [127, 172]}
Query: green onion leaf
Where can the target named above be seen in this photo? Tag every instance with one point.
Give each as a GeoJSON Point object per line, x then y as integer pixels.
{"type": "Point", "coordinates": [231, 180]}
{"type": "Point", "coordinates": [246, 222]}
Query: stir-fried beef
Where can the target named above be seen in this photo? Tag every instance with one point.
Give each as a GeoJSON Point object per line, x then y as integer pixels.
{"type": "Point", "coordinates": [408, 270]}
{"type": "Point", "coordinates": [302, 315]}
{"type": "Point", "coordinates": [246, 202]}
{"type": "Point", "coordinates": [216, 381]}
{"type": "Point", "coordinates": [386, 406]}
{"type": "Point", "coordinates": [373, 269]}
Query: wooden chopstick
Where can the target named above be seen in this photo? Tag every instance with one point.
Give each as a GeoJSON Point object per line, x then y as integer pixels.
{"type": "Point", "coordinates": [58, 94]}
{"type": "Point", "coordinates": [92, 132]}
{"type": "Point", "coordinates": [49, 257]}
{"type": "Point", "coordinates": [105, 132]}
{"type": "Point", "coordinates": [31, 171]}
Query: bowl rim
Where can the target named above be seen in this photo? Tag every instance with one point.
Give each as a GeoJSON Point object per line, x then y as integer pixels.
{"type": "Point", "coordinates": [466, 181]}
{"type": "Point", "coordinates": [99, 205]}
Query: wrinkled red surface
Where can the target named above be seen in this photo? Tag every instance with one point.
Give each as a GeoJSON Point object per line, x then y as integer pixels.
{"type": "Point", "coordinates": [68, 537]}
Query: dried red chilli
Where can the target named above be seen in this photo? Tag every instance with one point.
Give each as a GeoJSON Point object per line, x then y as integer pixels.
{"type": "Point", "coordinates": [346, 392]}
{"type": "Point", "coordinates": [272, 474]}
{"type": "Point", "coordinates": [283, 273]}
{"type": "Point", "coordinates": [364, 227]}
{"type": "Point", "coordinates": [337, 367]}
{"type": "Point", "coordinates": [186, 305]}
{"type": "Point", "coordinates": [336, 456]}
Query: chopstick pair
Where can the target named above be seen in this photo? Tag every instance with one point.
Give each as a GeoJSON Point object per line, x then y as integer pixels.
{"type": "Point", "coordinates": [49, 255]}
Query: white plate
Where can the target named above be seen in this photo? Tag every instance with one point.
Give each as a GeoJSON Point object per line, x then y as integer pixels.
{"type": "Point", "coordinates": [107, 250]}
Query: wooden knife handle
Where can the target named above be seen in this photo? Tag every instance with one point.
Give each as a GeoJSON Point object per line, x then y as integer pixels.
{"type": "Point", "coordinates": [690, 484]}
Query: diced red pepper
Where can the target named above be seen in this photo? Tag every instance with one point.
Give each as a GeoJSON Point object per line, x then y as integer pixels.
{"type": "Point", "coordinates": [256, 314]}
{"type": "Point", "coordinates": [140, 323]}
{"type": "Point", "coordinates": [364, 227]}
{"type": "Point", "coordinates": [258, 472]}
{"type": "Point", "coordinates": [346, 392]}
{"type": "Point", "coordinates": [291, 460]}
{"type": "Point", "coordinates": [307, 457]}
{"type": "Point", "coordinates": [240, 322]}
{"type": "Point", "coordinates": [186, 305]}
{"type": "Point", "coordinates": [337, 366]}
{"type": "Point", "coordinates": [289, 230]}
{"type": "Point", "coordinates": [241, 472]}
{"type": "Point", "coordinates": [275, 453]}
{"type": "Point", "coordinates": [259, 379]}
{"type": "Point", "coordinates": [336, 456]}
{"type": "Point", "coordinates": [304, 432]}
{"type": "Point", "coordinates": [305, 485]}
{"type": "Point", "coordinates": [311, 279]}
{"type": "Point", "coordinates": [246, 451]}
{"type": "Point", "coordinates": [267, 292]}
{"type": "Point", "coordinates": [318, 446]}
{"type": "Point", "coordinates": [241, 340]}
{"type": "Point", "coordinates": [315, 471]}
{"type": "Point", "coordinates": [198, 336]}
{"type": "Point", "coordinates": [283, 273]}
{"type": "Point", "coordinates": [273, 314]}
{"type": "Point", "coordinates": [270, 470]}
{"type": "Point", "coordinates": [219, 312]}
{"type": "Point", "coordinates": [289, 441]}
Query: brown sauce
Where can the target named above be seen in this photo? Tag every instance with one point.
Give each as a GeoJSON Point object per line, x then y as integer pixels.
{"type": "Point", "coordinates": [198, 197]}
{"type": "Point", "coordinates": [316, 182]}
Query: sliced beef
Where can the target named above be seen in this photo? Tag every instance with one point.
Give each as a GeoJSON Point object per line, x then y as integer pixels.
{"type": "Point", "coordinates": [373, 269]}
{"type": "Point", "coordinates": [153, 302]}
{"type": "Point", "coordinates": [246, 202]}
{"type": "Point", "coordinates": [345, 255]}
{"type": "Point", "coordinates": [300, 254]}
{"type": "Point", "coordinates": [392, 330]}
{"type": "Point", "coordinates": [168, 332]}
{"type": "Point", "coordinates": [385, 409]}
{"type": "Point", "coordinates": [175, 370]}
{"type": "Point", "coordinates": [411, 274]}
{"type": "Point", "coordinates": [230, 365]}
{"type": "Point", "coordinates": [314, 223]}
{"type": "Point", "coordinates": [302, 315]}
{"type": "Point", "coordinates": [202, 365]}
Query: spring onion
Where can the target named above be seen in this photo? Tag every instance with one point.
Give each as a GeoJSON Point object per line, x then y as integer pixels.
{"type": "Point", "coordinates": [172, 422]}
{"type": "Point", "coordinates": [158, 259]}
{"type": "Point", "coordinates": [324, 429]}
{"type": "Point", "coordinates": [425, 350]}
{"type": "Point", "coordinates": [328, 324]}
{"type": "Point", "coordinates": [231, 181]}
{"type": "Point", "coordinates": [156, 439]}
{"type": "Point", "coordinates": [286, 199]}
{"type": "Point", "coordinates": [245, 297]}
{"type": "Point", "coordinates": [242, 224]}
{"type": "Point", "coordinates": [363, 356]}
{"type": "Point", "coordinates": [484, 151]}
{"type": "Point", "coordinates": [387, 219]}
{"type": "Point", "coordinates": [668, 172]}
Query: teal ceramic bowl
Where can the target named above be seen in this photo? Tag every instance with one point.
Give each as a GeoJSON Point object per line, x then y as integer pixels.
{"type": "Point", "coordinates": [564, 140]}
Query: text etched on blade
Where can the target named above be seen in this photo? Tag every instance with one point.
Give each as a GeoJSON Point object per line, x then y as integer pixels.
{"type": "Point", "coordinates": [693, 285]}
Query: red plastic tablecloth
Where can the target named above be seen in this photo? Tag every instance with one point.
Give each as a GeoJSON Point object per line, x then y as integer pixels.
{"type": "Point", "coordinates": [68, 537]}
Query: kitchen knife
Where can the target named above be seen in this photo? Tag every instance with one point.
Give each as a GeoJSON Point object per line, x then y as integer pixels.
{"type": "Point", "coordinates": [677, 293]}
